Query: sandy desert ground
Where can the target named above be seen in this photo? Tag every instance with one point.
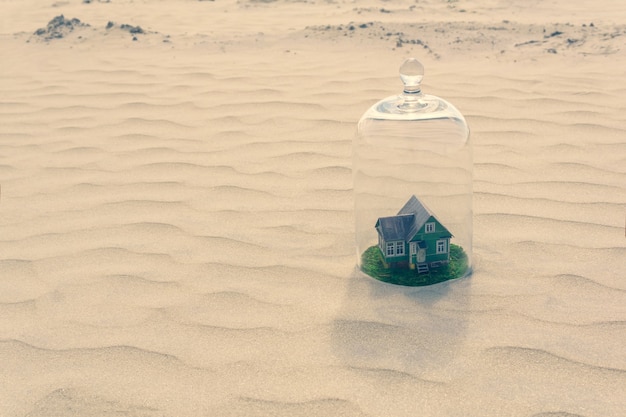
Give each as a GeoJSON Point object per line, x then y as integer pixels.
{"type": "Point", "coordinates": [176, 211]}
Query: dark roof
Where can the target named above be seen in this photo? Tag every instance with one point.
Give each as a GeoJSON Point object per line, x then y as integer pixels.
{"type": "Point", "coordinates": [395, 227]}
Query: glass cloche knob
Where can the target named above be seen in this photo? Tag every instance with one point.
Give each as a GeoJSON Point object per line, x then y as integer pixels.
{"type": "Point", "coordinates": [411, 74]}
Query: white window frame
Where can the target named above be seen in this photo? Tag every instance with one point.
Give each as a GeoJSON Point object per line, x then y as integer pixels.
{"type": "Point", "coordinates": [400, 248]}
{"type": "Point", "coordinates": [442, 246]}
{"type": "Point", "coordinates": [429, 227]}
{"type": "Point", "coordinates": [413, 248]}
{"type": "Point", "coordinates": [390, 248]}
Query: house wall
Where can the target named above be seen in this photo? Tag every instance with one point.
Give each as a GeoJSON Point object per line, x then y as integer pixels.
{"type": "Point", "coordinates": [431, 252]}
{"type": "Point", "coordinates": [394, 258]}
{"type": "Point", "coordinates": [439, 232]}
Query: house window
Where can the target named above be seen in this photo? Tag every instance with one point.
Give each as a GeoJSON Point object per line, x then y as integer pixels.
{"type": "Point", "coordinates": [390, 249]}
{"type": "Point", "coordinates": [413, 248]}
{"type": "Point", "coordinates": [430, 227]}
{"type": "Point", "coordinates": [441, 246]}
{"type": "Point", "coordinates": [399, 248]}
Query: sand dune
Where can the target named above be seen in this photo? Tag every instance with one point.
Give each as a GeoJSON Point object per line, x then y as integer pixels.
{"type": "Point", "coordinates": [176, 210]}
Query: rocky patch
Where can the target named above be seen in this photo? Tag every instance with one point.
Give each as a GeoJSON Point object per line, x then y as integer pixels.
{"type": "Point", "coordinates": [59, 27]}
{"type": "Point", "coordinates": [513, 40]}
{"type": "Point", "coordinates": [133, 30]}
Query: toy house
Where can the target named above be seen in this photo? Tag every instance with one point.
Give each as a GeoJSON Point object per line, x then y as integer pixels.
{"type": "Point", "coordinates": [414, 238]}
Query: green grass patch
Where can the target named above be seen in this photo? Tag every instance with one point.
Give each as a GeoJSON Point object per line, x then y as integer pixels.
{"type": "Point", "coordinates": [372, 264]}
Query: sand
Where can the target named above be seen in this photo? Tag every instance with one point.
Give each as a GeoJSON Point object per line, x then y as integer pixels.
{"type": "Point", "coordinates": [176, 210]}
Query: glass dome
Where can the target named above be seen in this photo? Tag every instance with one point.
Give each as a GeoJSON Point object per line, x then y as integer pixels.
{"type": "Point", "coordinates": [412, 164]}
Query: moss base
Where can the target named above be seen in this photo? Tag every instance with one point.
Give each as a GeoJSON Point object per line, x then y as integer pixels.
{"type": "Point", "coordinates": [372, 264]}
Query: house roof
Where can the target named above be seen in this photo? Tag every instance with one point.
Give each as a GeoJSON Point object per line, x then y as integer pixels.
{"type": "Point", "coordinates": [407, 223]}
{"type": "Point", "coordinates": [420, 212]}
{"type": "Point", "coordinates": [395, 227]}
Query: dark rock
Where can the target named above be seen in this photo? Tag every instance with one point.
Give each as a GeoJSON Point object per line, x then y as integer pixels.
{"type": "Point", "coordinates": [58, 27]}
{"type": "Point", "coordinates": [555, 33]}
{"type": "Point", "coordinates": [132, 29]}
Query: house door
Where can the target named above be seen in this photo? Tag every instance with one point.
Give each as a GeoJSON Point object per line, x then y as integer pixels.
{"type": "Point", "coordinates": [421, 255]}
